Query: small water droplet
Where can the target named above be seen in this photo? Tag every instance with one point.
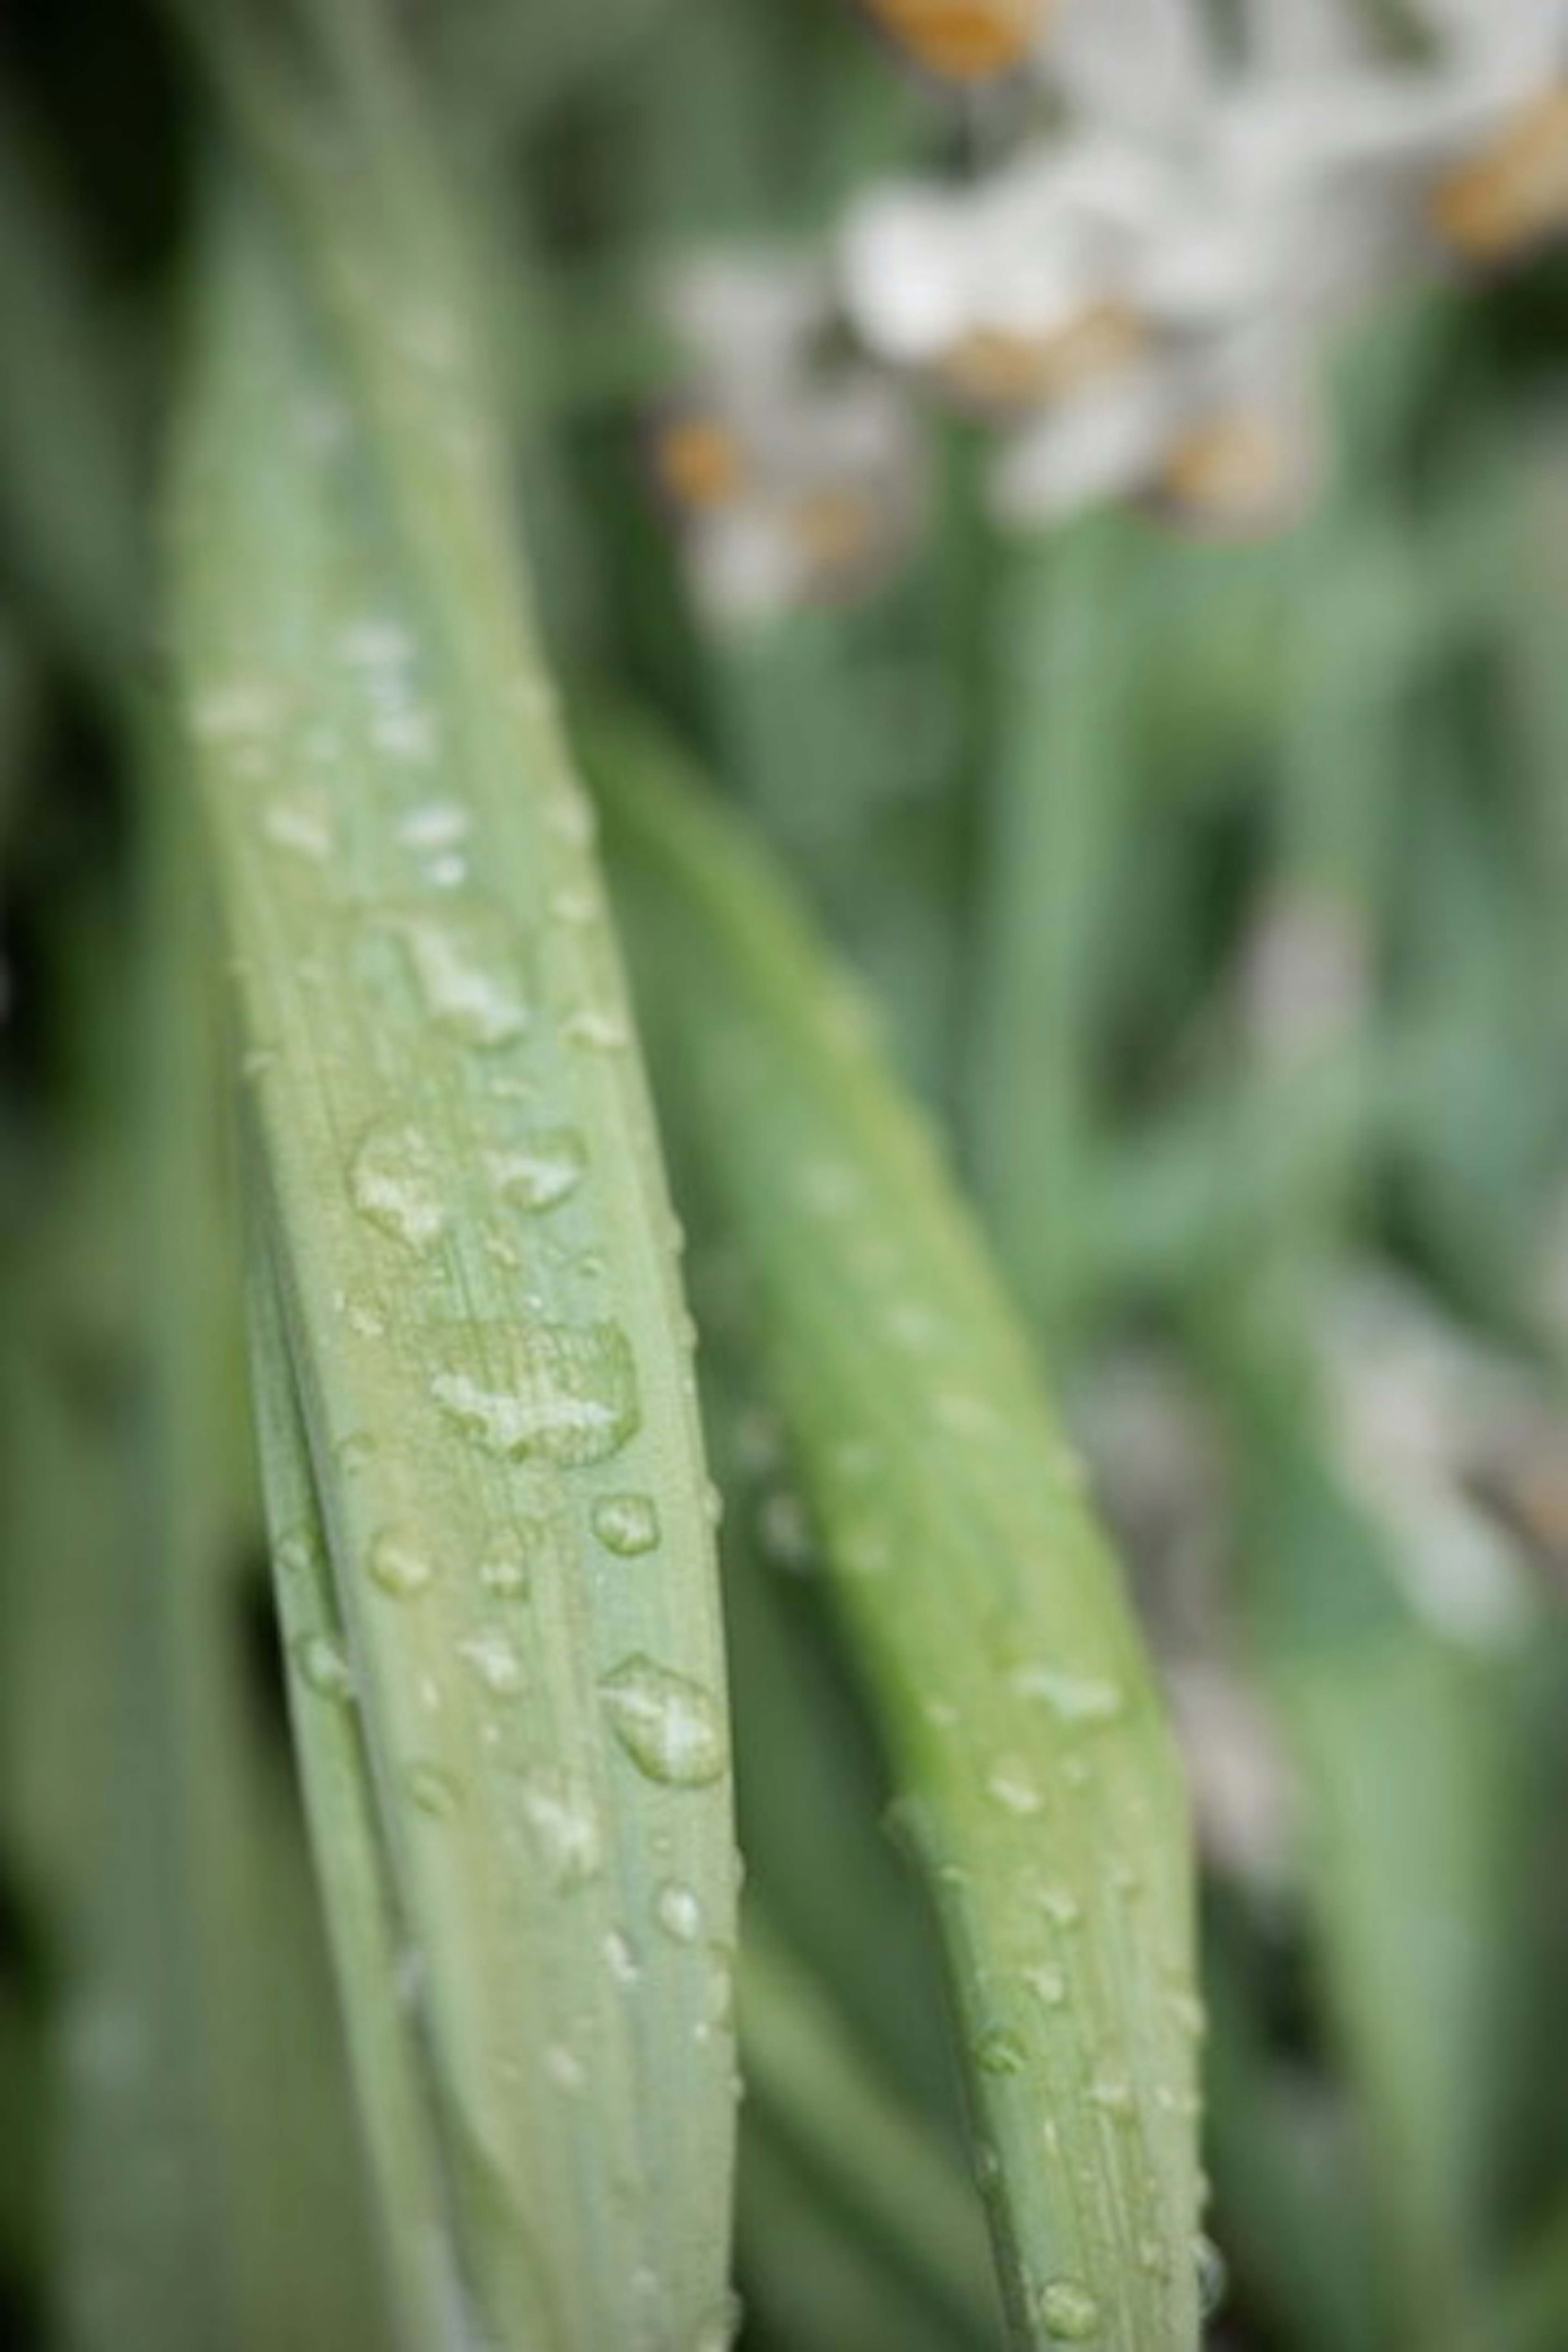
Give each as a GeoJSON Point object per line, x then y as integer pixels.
{"type": "Point", "coordinates": [573, 908]}
{"type": "Point", "coordinates": [495, 1662]}
{"type": "Point", "coordinates": [678, 1911]}
{"type": "Point", "coordinates": [433, 1791]}
{"type": "Point", "coordinates": [566, 1826]}
{"type": "Point", "coordinates": [668, 1724]}
{"type": "Point", "coordinates": [465, 962]}
{"type": "Point", "coordinates": [1068, 2312]}
{"type": "Point", "coordinates": [784, 1531]}
{"type": "Point", "coordinates": [323, 1665]}
{"type": "Point", "coordinates": [298, 1553]}
{"type": "Point", "coordinates": [1188, 2011]}
{"type": "Point", "coordinates": [998, 2051]}
{"type": "Point", "coordinates": [721, 2327]}
{"type": "Point", "coordinates": [540, 1171]}
{"type": "Point", "coordinates": [564, 2068]}
{"type": "Point", "coordinates": [1114, 2098]}
{"type": "Point", "coordinates": [302, 824]}
{"type": "Point", "coordinates": [1062, 1909]}
{"type": "Point", "coordinates": [620, 1957]}
{"type": "Point", "coordinates": [1072, 1699]}
{"type": "Point", "coordinates": [1213, 2277]}
{"type": "Point", "coordinates": [399, 1564]}
{"type": "Point", "coordinates": [1049, 1985]}
{"type": "Point", "coordinates": [598, 1031]}
{"type": "Point", "coordinates": [432, 825]}
{"type": "Point", "coordinates": [353, 1451]}
{"type": "Point", "coordinates": [1010, 1787]}
{"type": "Point", "coordinates": [394, 1181]}
{"type": "Point", "coordinates": [505, 1572]}
{"type": "Point", "coordinates": [567, 1393]}
{"type": "Point", "coordinates": [626, 1523]}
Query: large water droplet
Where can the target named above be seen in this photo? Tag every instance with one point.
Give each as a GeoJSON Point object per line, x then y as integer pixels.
{"type": "Point", "coordinates": [542, 1171]}
{"type": "Point", "coordinates": [668, 1724]}
{"type": "Point", "coordinates": [626, 1523]}
{"type": "Point", "coordinates": [399, 1564]}
{"type": "Point", "coordinates": [564, 1393]}
{"type": "Point", "coordinates": [1068, 2312]}
{"type": "Point", "coordinates": [465, 961]}
{"type": "Point", "coordinates": [395, 1180]}
{"type": "Point", "coordinates": [566, 1826]}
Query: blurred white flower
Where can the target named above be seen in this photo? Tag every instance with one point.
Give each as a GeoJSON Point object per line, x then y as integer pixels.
{"type": "Point", "coordinates": [1155, 273]}
{"type": "Point", "coordinates": [794, 464]}
{"type": "Point", "coordinates": [1138, 294]}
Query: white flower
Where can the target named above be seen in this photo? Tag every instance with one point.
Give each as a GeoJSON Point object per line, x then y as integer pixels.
{"type": "Point", "coordinates": [794, 465]}
{"type": "Point", "coordinates": [1152, 273]}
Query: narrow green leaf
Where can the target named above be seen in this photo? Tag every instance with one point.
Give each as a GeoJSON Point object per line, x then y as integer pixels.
{"type": "Point", "coordinates": [1035, 1772]}
{"type": "Point", "coordinates": [474, 1264]}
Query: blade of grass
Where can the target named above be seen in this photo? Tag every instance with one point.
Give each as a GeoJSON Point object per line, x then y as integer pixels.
{"type": "Point", "coordinates": [1035, 1772]}
{"type": "Point", "coordinates": [471, 1238]}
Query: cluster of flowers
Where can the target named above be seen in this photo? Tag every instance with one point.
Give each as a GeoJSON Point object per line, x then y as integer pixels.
{"type": "Point", "coordinates": [1188, 200]}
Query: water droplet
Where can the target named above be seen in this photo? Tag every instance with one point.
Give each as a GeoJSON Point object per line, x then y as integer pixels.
{"type": "Point", "coordinates": [572, 907]}
{"type": "Point", "coordinates": [433, 1791]}
{"type": "Point", "coordinates": [721, 2327]}
{"type": "Point", "coordinates": [600, 1032]}
{"type": "Point", "coordinates": [505, 1572]}
{"type": "Point", "coordinates": [495, 1662]}
{"type": "Point", "coordinates": [998, 2051]}
{"type": "Point", "coordinates": [1062, 1909]}
{"type": "Point", "coordinates": [465, 962]}
{"type": "Point", "coordinates": [1213, 2277]}
{"type": "Point", "coordinates": [567, 1393]}
{"type": "Point", "coordinates": [626, 1523]}
{"type": "Point", "coordinates": [564, 2068]}
{"type": "Point", "coordinates": [1068, 2312]}
{"type": "Point", "coordinates": [1010, 1787]}
{"type": "Point", "coordinates": [298, 1553]}
{"type": "Point", "coordinates": [394, 1180]}
{"type": "Point", "coordinates": [353, 1451]}
{"type": "Point", "coordinates": [407, 731]}
{"type": "Point", "coordinates": [1049, 1985]}
{"type": "Point", "coordinates": [323, 1665]}
{"type": "Point", "coordinates": [1115, 2099]}
{"type": "Point", "coordinates": [668, 1724]}
{"type": "Point", "coordinates": [678, 1911]}
{"type": "Point", "coordinates": [1072, 1699]}
{"type": "Point", "coordinates": [302, 825]}
{"type": "Point", "coordinates": [399, 1564]}
{"type": "Point", "coordinates": [566, 1826]}
{"type": "Point", "coordinates": [540, 1171]}
{"type": "Point", "coordinates": [784, 1531]}
{"type": "Point", "coordinates": [361, 1314]}
{"type": "Point", "coordinates": [1188, 2011]}
{"type": "Point", "coordinates": [620, 1957]}
{"type": "Point", "coordinates": [239, 710]}
{"type": "Point", "coordinates": [433, 825]}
